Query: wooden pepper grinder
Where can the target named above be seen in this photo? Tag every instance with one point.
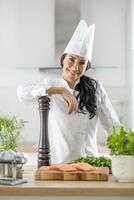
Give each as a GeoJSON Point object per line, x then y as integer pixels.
{"type": "Point", "coordinates": [44, 147]}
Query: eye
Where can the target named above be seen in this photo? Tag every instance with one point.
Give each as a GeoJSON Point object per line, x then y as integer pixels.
{"type": "Point", "coordinates": [82, 63]}
{"type": "Point", "coordinates": [71, 60]}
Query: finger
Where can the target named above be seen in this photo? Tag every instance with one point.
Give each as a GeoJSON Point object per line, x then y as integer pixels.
{"type": "Point", "coordinates": [76, 106]}
{"type": "Point", "coordinates": [70, 108]}
{"type": "Point", "coordinates": [73, 106]}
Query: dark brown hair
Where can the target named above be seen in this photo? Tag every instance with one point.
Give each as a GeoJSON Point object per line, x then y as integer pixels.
{"type": "Point", "coordinates": [86, 96]}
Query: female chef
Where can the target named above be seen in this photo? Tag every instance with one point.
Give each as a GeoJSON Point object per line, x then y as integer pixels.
{"type": "Point", "coordinates": [77, 101]}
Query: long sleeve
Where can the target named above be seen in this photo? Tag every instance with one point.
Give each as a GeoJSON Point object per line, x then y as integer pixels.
{"type": "Point", "coordinates": [107, 114]}
{"type": "Point", "coordinates": [31, 92]}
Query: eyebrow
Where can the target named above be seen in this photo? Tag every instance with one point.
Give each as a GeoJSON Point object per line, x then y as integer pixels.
{"type": "Point", "coordinates": [76, 58]}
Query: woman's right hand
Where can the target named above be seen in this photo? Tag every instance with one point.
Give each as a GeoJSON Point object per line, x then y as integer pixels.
{"type": "Point", "coordinates": [69, 98]}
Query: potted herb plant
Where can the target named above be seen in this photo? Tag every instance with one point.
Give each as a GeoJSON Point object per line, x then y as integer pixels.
{"type": "Point", "coordinates": [10, 129]}
{"type": "Point", "coordinates": [121, 144]}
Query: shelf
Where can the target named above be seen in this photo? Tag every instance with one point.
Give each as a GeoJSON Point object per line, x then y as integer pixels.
{"type": "Point", "coordinates": [105, 67]}
{"type": "Point", "coordinates": [39, 68]}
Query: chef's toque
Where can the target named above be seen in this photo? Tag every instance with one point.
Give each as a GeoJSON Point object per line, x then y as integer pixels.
{"type": "Point", "coordinates": [81, 43]}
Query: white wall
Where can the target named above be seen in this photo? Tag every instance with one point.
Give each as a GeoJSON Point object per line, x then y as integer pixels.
{"type": "Point", "coordinates": [132, 56]}
{"type": "Point", "coordinates": [110, 37]}
{"type": "Point", "coordinates": [26, 43]}
{"type": "Point", "coordinates": [129, 71]}
{"type": "Point", "coordinates": [26, 26]}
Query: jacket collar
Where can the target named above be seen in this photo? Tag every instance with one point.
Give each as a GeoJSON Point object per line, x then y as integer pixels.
{"type": "Point", "coordinates": [67, 85]}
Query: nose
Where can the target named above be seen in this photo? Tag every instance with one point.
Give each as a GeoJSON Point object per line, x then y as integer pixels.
{"type": "Point", "coordinates": [76, 66]}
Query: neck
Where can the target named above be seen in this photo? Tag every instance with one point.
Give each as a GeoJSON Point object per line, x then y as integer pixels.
{"type": "Point", "coordinates": [71, 83]}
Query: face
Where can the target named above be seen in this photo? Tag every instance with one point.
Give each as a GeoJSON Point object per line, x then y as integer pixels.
{"type": "Point", "coordinates": [73, 67]}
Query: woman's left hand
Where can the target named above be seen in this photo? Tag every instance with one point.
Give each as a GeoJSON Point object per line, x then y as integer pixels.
{"type": "Point", "coordinates": [69, 98]}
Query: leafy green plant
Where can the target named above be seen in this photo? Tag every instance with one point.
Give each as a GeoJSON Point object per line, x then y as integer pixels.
{"type": "Point", "coordinates": [10, 128]}
{"type": "Point", "coordinates": [121, 141]}
{"type": "Point", "coordinates": [96, 161]}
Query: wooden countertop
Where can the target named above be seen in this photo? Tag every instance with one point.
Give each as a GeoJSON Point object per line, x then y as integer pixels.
{"type": "Point", "coordinates": [66, 188]}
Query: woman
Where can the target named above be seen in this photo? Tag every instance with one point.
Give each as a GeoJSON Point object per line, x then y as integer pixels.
{"type": "Point", "coordinates": [77, 101]}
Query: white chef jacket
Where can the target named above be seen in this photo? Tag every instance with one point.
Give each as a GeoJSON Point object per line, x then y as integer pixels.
{"type": "Point", "coordinates": [71, 135]}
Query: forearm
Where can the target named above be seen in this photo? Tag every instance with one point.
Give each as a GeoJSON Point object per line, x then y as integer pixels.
{"type": "Point", "coordinates": [55, 90]}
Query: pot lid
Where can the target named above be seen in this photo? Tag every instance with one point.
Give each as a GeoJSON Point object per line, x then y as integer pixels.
{"type": "Point", "coordinates": [12, 156]}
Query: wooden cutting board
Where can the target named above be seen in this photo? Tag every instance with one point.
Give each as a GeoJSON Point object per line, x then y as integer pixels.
{"type": "Point", "coordinates": [101, 174]}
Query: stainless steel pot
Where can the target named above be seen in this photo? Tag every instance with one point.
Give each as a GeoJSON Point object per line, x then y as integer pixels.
{"type": "Point", "coordinates": [11, 163]}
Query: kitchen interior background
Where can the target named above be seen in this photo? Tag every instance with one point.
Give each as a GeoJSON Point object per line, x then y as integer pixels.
{"type": "Point", "coordinates": [33, 34]}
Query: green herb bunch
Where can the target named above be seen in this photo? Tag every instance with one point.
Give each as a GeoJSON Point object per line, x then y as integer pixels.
{"type": "Point", "coordinates": [10, 128]}
{"type": "Point", "coordinates": [96, 161]}
{"type": "Point", "coordinates": [121, 141]}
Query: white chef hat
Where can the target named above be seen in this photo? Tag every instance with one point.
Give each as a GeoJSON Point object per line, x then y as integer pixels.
{"type": "Point", "coordinates": [81, 43]}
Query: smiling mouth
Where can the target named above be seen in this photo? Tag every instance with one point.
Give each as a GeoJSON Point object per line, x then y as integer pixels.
{"type": "Point", "coordinates": [73, 73]}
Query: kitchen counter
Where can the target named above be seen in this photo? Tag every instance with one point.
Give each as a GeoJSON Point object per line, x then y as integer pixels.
{"type": "Point", "coordinates": [34, 188]}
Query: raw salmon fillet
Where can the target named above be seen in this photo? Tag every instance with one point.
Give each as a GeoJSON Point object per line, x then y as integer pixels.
{"type": "Point", "coordinates": [84, 166]}
{"type": "Point", "coordinates": [53, 167]}
{"type": "Point", "coordinates": [73, 167]}
{"type": "Point", "coordinates": [64, 167]}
